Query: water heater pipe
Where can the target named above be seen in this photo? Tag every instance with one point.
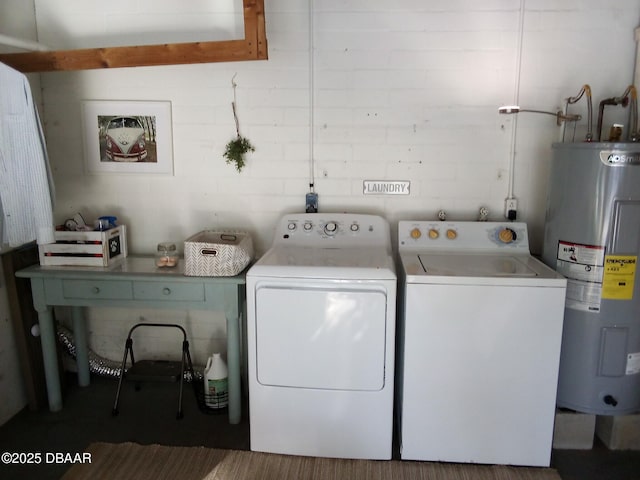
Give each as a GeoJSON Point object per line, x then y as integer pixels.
{"type": "Point", "coordinates": [636, 69]}
{"type": "Point", "coordinates": [585, 90]}
{"type": "Point", "coordinates": [629, 95]}
{"type": "Point", "coordinates": [633, 135]}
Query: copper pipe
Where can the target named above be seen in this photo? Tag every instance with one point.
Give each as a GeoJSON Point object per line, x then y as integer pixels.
{"type": "Point", "coordinates": [586, 89]}
{"type": "Point", "coordinates": [633, 135]}
{"type": "Point", "coordinates": [621, 100]}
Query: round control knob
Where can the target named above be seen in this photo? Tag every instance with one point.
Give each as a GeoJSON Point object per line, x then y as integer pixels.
{"type": "Point", "coordinates": [330, 228]}
{"type": "Point", "coordinates": [506, 235]}
{"type": "Point", "coordinates": [452, 234]}
{"type": "Point", "coordinates": [307, 226]}
{"type": "Point", "coordinates": [291, 226]}
{"type": "Point", "coordinates": [433, 233]}
{"type": "Point", "coordinates": [415, 233]}
{"type": "Point", "coordinates": [355, 227]}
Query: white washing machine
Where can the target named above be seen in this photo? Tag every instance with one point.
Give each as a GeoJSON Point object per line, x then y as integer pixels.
{"type": "Point", "coordinates": [479, 344]}
{"type": "Point", "coordinates": [320, 331]}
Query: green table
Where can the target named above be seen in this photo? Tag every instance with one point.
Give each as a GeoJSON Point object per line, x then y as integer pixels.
{"type": "Point", "coordinates": [134, 282]}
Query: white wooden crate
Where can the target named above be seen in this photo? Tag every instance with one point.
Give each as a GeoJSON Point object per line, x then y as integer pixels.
{"type": "Point", "coordinates": [86, 248]}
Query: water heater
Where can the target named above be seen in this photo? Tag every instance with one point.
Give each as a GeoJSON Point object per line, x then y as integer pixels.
{"type": "Point", "coordinates": [592, 237]}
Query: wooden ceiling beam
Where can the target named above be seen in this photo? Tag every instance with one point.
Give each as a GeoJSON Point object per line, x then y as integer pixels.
{"type": "Point", "coordinates": [252, 47]}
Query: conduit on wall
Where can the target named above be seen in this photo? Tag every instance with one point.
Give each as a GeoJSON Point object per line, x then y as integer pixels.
{"type": "Point", "coordinates": [516, 100]}
{"type": "Point", "coordinates": [311, 100]}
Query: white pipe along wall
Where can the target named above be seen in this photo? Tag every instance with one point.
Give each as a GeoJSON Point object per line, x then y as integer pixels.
{"type": "Point", "coordinates": [402, 90]}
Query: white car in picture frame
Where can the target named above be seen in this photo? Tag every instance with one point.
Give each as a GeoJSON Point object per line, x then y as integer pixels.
{"type": "Point", "coordinates": [125, 140]}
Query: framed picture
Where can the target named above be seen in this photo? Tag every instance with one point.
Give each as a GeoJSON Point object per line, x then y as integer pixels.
{"type": "Point", "coordinates": [127, 137]}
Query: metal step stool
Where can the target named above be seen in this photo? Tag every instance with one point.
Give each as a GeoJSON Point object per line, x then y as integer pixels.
{"type": "Point", "coordinates": [154, 370]}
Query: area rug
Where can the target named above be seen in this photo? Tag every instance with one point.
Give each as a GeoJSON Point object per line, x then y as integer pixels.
{"type": "Point", "coordinates": [131, 461]}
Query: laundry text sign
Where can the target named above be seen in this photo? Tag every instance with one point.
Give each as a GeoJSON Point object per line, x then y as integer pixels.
{"type": "Point", "coordinates": [386, 187]}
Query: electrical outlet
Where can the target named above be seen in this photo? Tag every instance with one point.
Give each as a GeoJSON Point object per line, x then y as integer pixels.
{"type": "Point", "coordinates": [311, 201]}
{"type": "Point", "coordinates": [510, 208]}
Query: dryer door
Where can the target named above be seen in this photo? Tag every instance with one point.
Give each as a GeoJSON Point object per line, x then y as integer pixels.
{"type": "Point", "coordinates": [321, 337]}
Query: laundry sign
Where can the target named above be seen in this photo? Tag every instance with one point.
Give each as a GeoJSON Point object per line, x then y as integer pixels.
{"type": "Point", "coordinates": [386, 187]}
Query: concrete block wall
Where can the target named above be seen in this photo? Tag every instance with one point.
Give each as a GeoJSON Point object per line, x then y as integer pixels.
{"type": "Point", "coordinates": [404, 90]}
{"type": "Point", "coordinates": [407, 91]}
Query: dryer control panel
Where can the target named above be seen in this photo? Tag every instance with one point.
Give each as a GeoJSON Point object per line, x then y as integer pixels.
{"type": "Point", "coordinates": [333, 230]}
{"type": "Point", "coordinates": [463, 236]}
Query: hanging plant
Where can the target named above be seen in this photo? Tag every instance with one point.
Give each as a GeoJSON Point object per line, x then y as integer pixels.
{"type": "Point", "coordinates": [236, 149]}
{"type": "Point", "coordinates": [239, 146]}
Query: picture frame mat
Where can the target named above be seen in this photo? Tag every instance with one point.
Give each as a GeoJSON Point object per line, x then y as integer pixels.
{"type": "Point", "coordinates": [161, 110]}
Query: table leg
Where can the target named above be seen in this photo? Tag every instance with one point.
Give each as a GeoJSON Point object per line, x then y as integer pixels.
{"type": "Point", "coordinates": [50, 358]}
{"type": "Point", "coordinates": [233, 367]}
{"type": "Point", "coordinates": [48, 344]}
{"type": "Point", "coordinates": [82, 349]}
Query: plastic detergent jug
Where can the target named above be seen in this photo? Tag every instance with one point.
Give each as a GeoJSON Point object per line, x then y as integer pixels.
{"type": "Point", "coordinates": [216, 389]}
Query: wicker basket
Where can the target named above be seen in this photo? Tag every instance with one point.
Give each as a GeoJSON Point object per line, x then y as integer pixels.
{"type": "Point", "coordinates": [217, 254]}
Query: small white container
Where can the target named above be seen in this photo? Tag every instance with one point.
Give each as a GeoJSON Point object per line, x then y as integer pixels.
{"type": "Point", "coordinates": [217, 254]}
{"type": "Point", "coordinates": [216, 384]}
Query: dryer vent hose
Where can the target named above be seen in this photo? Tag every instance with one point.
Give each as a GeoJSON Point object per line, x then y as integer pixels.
{"type": "Point", "coordinates": [100, 365]}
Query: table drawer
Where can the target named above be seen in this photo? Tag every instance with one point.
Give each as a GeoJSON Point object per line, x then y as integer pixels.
{"type": "Point", "coordinates": [169, 291]}
{"type": "Point", "coordinates": [97, 289]}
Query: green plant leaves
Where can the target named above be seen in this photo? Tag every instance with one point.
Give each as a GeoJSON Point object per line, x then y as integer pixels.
{"type": "Point", "coordinates": [235, 151]}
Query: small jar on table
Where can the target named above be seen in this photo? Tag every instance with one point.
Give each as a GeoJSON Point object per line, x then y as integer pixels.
{"type": "Point", "coordinates": [166, 255]}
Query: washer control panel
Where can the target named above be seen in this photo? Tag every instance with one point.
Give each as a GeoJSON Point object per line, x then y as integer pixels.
{"type": "Point", "coordinates": [333, 230]}
{"type": "Point", "coordinates": [471, 236]}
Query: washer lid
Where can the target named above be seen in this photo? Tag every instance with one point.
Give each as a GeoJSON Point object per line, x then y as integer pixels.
{"type": "Point", "coordinates": [479, 268]}
{"type": "Point", "coordinates": [475, 266]}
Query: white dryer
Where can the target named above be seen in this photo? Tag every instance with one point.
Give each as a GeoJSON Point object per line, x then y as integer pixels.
{"type": "Point", "coordinates": [320, 333]}
{"type": "Point", "coordinates": [479, 344]}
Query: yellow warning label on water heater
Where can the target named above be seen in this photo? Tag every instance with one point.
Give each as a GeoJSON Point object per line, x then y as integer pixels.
{"type": "Point", "coordinates": [619, 275]}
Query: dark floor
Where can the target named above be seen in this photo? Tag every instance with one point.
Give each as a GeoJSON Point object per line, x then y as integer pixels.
{"type": "Point", "coordinates": [149, 416]}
